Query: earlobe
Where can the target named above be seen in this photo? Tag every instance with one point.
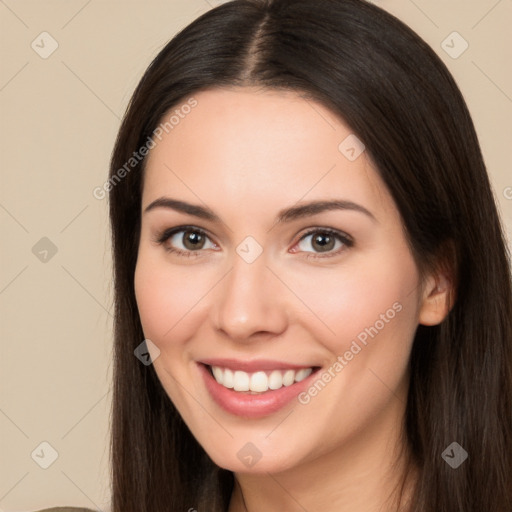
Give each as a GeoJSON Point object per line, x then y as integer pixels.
{"type": "Point", "coordinates": [437, 299]}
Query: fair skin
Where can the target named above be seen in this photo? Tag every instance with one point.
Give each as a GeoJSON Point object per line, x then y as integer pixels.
{"type": "Point", "coordinates": [246, 154]}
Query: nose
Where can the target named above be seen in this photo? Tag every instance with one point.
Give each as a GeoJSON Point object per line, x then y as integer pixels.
{"type": "Point", "coordinates": [250, 302]}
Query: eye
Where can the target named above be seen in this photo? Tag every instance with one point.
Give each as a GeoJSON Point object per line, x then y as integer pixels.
{"type": "Point", "coordinates": [324, 240]}
{"type": "Point", "coordinates": [189, 241]}
{"type": "Point", "coordinates": [185, 240]}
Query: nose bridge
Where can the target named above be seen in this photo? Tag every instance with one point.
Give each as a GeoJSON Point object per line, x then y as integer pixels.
{"type": "Point", "coordinates": [248, 300]}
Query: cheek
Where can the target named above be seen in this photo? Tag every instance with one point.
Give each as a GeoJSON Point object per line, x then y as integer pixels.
{"type": "Point", "coordinates": [370, 296]}
{"type": "Point", "coordinates": [167, 297]}
{"type": "Point", "coordinates": [372, 318]}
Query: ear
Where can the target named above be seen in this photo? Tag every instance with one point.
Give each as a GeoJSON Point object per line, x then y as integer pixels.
{"type": "Point", "coordinates": [437, 298]}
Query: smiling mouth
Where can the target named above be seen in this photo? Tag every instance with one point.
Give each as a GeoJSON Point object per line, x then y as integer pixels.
{"type": "Point", "coordinates": [259, 382]}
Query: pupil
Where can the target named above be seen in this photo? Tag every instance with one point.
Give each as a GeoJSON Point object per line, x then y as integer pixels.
{"type": "Point", "coordinates": [324, 241]}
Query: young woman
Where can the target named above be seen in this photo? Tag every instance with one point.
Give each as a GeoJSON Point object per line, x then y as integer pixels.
{"type": "Point", "coordinates": [308, 251]}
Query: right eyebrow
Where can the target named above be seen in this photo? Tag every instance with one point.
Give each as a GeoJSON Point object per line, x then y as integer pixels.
{"type": "Point", "coordinates": [183, 207]}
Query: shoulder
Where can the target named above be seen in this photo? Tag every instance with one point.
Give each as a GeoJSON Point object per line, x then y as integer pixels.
{"type": "Point", "coordinates": [65, 509]}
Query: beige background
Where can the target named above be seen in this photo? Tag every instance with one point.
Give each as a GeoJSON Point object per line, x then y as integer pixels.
{"type": "Point", "coordinates": [59, 117]}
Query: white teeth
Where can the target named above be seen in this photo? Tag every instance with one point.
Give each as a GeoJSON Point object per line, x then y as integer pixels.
{"type": "Point", "coordinates": [241, 381]}
{"type": "Point", "coordinates": [302, 374]}
{"type": "Point", "coordinates": [218, 374]}
{"type": "Point", "coordinates": [289, 377]}
{"type": "Point", "coordinates": [227, 377]}
{"type": "Point", "coordinates": [258, 382]}
{"type": "Point", "coordinates": [275, 381]}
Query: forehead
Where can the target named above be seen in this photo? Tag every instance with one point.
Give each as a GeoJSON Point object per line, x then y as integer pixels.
{"type": "Point", "coordinates": [244, 148]}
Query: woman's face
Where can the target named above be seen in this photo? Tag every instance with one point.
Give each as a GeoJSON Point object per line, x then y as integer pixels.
{"type": "Point", "coordinates": [291, 277]}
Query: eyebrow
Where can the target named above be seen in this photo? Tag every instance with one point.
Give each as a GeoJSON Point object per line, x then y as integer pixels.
{"type": "Point", "coordinates": [285, 215]}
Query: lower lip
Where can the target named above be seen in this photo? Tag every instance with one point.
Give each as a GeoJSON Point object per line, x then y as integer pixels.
{"type": "Point", "coordinates": [252, 406]}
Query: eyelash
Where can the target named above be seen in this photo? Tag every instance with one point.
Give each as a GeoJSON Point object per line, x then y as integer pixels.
{"type": "Point", "coordinates": [168, 233]}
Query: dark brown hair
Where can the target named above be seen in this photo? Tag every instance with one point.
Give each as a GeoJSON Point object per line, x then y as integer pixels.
{"type": "Point", "coordinates": [400, 100]}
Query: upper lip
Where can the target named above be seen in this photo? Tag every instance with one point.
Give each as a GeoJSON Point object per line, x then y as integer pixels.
{"type": "Point", "coordinates": [253, 365]}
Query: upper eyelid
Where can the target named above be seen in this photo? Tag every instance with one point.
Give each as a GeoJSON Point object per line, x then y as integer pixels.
{"type": "Point", "coordinates": [167, 233]}
{"type": "Point", "coordinates": [335, 232]}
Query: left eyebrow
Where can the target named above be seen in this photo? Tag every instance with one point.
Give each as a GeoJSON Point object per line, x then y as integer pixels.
{"type": "Point", "coordinates": [315, 207]}
{"type": "Point", "coordinates": [286, 215]}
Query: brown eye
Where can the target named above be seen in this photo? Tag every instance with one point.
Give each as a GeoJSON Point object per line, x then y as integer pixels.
{"type": "Point", "coordinates": [324, 241]}
{"type": "Point", "coordinates": [185, 241]}
{"type": "Point", "coordinates": [193, 240]}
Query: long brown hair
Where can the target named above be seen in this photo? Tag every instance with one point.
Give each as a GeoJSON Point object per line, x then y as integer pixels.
{"type": "Point", "coordinates": [401, 101]}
